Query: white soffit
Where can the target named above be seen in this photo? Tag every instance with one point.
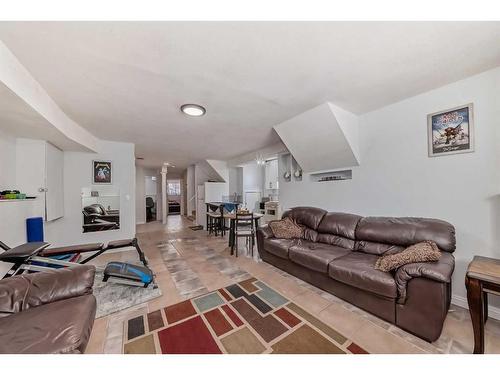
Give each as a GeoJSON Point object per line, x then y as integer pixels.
{"type": "Point", "coordinates": [265, 152]}
{"type": "Point", "coordinates": [28, 111]}
{"type": "Point", "coordinates": [211, 172]}
{"type": "Point", "coordinates": [321, 139]}
{"type": "Point", "coordinates": [220, 168]}
{"type": "Point", "coordinates": [20, 120]}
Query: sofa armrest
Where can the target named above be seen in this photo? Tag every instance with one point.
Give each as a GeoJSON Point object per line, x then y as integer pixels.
{"type": "Point", "coordinates": [438, 271]}
{"type": "Point", "coordinates": [18, 293]}
{"type": "Point", "coordinates": [265, 232]}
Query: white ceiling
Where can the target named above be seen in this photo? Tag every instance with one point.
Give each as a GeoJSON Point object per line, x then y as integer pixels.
{"type": "Point", "coordinates": [126, 81]}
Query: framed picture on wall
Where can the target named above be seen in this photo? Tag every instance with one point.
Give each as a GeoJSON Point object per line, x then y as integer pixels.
{"type": "Point", "coordinates": [451, 131]}
{"type": "Point", "coordinates": [101, 172]}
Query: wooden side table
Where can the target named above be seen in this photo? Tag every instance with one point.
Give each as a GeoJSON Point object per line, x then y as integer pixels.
{"type": "Point", "coordinates": [482, 277]}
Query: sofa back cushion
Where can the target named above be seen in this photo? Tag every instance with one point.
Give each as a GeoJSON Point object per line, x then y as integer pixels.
{"type": "Point", "coordinates": [310, 235]}
{"type": "Point", "coordinates": [339, 229]}
{"type": "Point", "coordinates": [377, 235]}
{"type": "Point", "coordinates": [307, 216]}
{"type": "Point", "coordinates": [377, 248]}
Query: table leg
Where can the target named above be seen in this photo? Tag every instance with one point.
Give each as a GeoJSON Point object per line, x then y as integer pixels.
{"type": "Point", "coordinates": [485, 306]}
{"type": "Point", "coordinates": [231, 235]}
{"type": "Point", "coordinates": [476, 309]}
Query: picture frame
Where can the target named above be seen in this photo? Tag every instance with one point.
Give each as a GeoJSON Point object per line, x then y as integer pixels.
{"type": "Point", "coordinates": [451, 131]}
{"type": "Point", "coordinates": [102, 172]}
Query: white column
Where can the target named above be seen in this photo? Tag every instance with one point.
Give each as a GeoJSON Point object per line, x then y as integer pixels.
{"type": "Point", "coordinates": [164, 205]}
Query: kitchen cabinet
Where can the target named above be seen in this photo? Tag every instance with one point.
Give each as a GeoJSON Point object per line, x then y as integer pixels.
{"type": "Point", "coordinates": [271, 174]}
{"type": "Point", "coordinates": [40, 167]}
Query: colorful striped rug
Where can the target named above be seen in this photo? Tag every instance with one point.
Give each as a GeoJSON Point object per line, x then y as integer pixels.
{"type": "Point", "coordinates": [244, 318]}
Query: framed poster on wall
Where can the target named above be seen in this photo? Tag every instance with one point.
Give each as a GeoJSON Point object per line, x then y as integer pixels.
{"type": "Point", "coordinates": [451, 131]}
{"type": "Point", "coordinates": [101, 172]}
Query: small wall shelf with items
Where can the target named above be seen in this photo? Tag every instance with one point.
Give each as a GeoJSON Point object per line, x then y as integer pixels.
{"type": "Point", "coordinates": [285, 167]}
{"type": "Point", "coordinates": [13, 196]}
{"type": "Point", "coordinates": [296, 170]}
{"type": "Point", "coordinates": [18, 200]}
{"type": "Point", "coordinates": [289, 168]}
{"type": "Point", "coordinates": [332, 176]}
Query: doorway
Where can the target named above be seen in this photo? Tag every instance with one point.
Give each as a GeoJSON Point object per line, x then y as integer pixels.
{"type": "Point", "coordinates": [174, 196]}
{"type": "Point", "coordinates": [151, 198]}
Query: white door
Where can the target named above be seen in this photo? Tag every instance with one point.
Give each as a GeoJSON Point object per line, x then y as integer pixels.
{"type": "Point", "coordinates": [30, 166]}
{"type": "Point", "coordinates": [54, 183]}
{"type": "Point", "coordinates": [273, 173]}
{"type": "Point", "coordinates": [200, 206]}
{"type": "Point", "coordinates": [252, 200]}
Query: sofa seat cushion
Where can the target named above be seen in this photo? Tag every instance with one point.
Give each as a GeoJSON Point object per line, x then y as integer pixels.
{"type": "Point", "coordinates": [278, 246]}
{"type": "Point", "coordinates": [315, 256]}
{"type": "Point", "coordinates": [59, 327]}
{"type": "Point", "coordinates": [358, 269]}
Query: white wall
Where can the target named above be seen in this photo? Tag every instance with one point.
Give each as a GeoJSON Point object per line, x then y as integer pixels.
{"type": "Point", "coordinates": [7, 161]}
{"type": "Point", "coordinates": [191, 190]}
{"type": "Point", "coordinates": [140, 195]}
{"type": "Point", "coordinates": [253, 177]}
{"type": "Point", "coordinates": [151, 185]}
{"type": "Point", "coordinates": [235, 180]}
{"type": "Point", "coordinates": [397, 178]}
{"type": "Point", "coordinates": [78, 174]}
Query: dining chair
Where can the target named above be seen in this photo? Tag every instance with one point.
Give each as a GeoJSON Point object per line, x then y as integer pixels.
{"type": "Point", "coordinates": [226, 209]}
{"type": "Point", "coordinates": [244, 227]}
{"type": "Point", "coordinates": [214, 218]}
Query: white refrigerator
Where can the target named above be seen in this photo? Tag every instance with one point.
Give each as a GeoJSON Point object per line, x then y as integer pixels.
{"type": "Point", "coordinates": [206, 193]}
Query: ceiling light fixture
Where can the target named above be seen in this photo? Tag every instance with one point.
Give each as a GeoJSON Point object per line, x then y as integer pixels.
{"type": "Point", "coordinates": [260, 159]}
{"type": "Point", "coordinates": [193, 110]}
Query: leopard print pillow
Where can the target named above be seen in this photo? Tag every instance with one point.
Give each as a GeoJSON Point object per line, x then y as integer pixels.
{"type": "Point", "coordinates": [426, 251]}
{"type": "Point", "coordinates": [286, 228]}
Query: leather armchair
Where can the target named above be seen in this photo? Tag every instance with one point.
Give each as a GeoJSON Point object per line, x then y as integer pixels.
{"type": "Point", "coordinates": [49, 312]}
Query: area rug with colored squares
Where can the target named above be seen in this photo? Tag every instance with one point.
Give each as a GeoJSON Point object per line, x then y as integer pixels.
{"type": "Point", "coordinates": [247, 317]}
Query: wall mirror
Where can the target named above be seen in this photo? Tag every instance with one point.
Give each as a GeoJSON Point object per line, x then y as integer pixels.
{"type": "Point", "coordinates": [100, 208]}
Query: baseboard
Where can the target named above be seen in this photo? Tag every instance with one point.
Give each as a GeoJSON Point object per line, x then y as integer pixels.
{"type": "Point", "coordinates": [140, 222]}
{"type": "Point", "coordinates": [493, 312]}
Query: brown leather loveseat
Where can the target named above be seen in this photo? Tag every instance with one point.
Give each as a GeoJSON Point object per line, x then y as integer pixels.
{"type": "Point", "coordinates": [338, 252]}
{"type": "Point", "coordinates": [47, 312]}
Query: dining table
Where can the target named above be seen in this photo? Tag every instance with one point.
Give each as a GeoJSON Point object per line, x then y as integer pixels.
{"type": "Point", "coordinates": [232, 219]}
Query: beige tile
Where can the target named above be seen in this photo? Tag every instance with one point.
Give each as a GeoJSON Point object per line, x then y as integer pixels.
{"type": "Point", "coordinates": [287, 287]}
{"type": "Point", "coordinates": [460, 331]}
{"type": "Point", "coordinates": [491, 343]}
{"type": "Point", "coordinates": [97, 337]}
{"type": "Point", "coordinates": [341, 319]}
{"type": "Point", "coordinates": [311, 302]}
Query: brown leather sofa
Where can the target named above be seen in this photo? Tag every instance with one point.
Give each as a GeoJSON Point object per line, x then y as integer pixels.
{"type": "Point", "coordinates": [338, 252]}
{"type": "Point", "coordinates": [49, 312]}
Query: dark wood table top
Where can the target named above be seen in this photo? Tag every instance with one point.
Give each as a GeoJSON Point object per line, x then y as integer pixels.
{"type": "Point", "coordinates": [484, 269]}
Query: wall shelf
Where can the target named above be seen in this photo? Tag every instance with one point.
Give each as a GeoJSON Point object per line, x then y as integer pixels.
{"type": "Point", "coordinates": [332, 176]}
{"type": "Point", "coordinates": [18, 200]}
{"type": "Point", "coordinates": [288, 166]}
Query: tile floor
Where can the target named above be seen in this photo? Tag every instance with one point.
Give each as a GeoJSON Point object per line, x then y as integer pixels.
{"type": "Point", "coordinates": [189, 263]}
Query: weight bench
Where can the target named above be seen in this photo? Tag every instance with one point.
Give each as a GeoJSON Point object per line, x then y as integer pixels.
{"type": "Point", "coordinates": [36, 256]}
{"type": "Point", "coordinates": [99, 248]}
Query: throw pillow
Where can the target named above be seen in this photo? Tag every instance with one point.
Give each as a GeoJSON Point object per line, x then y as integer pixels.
{"type": "Point", "coordinates": [286, 228]}
{"type": "Point", "coordinates": [426, 251]}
